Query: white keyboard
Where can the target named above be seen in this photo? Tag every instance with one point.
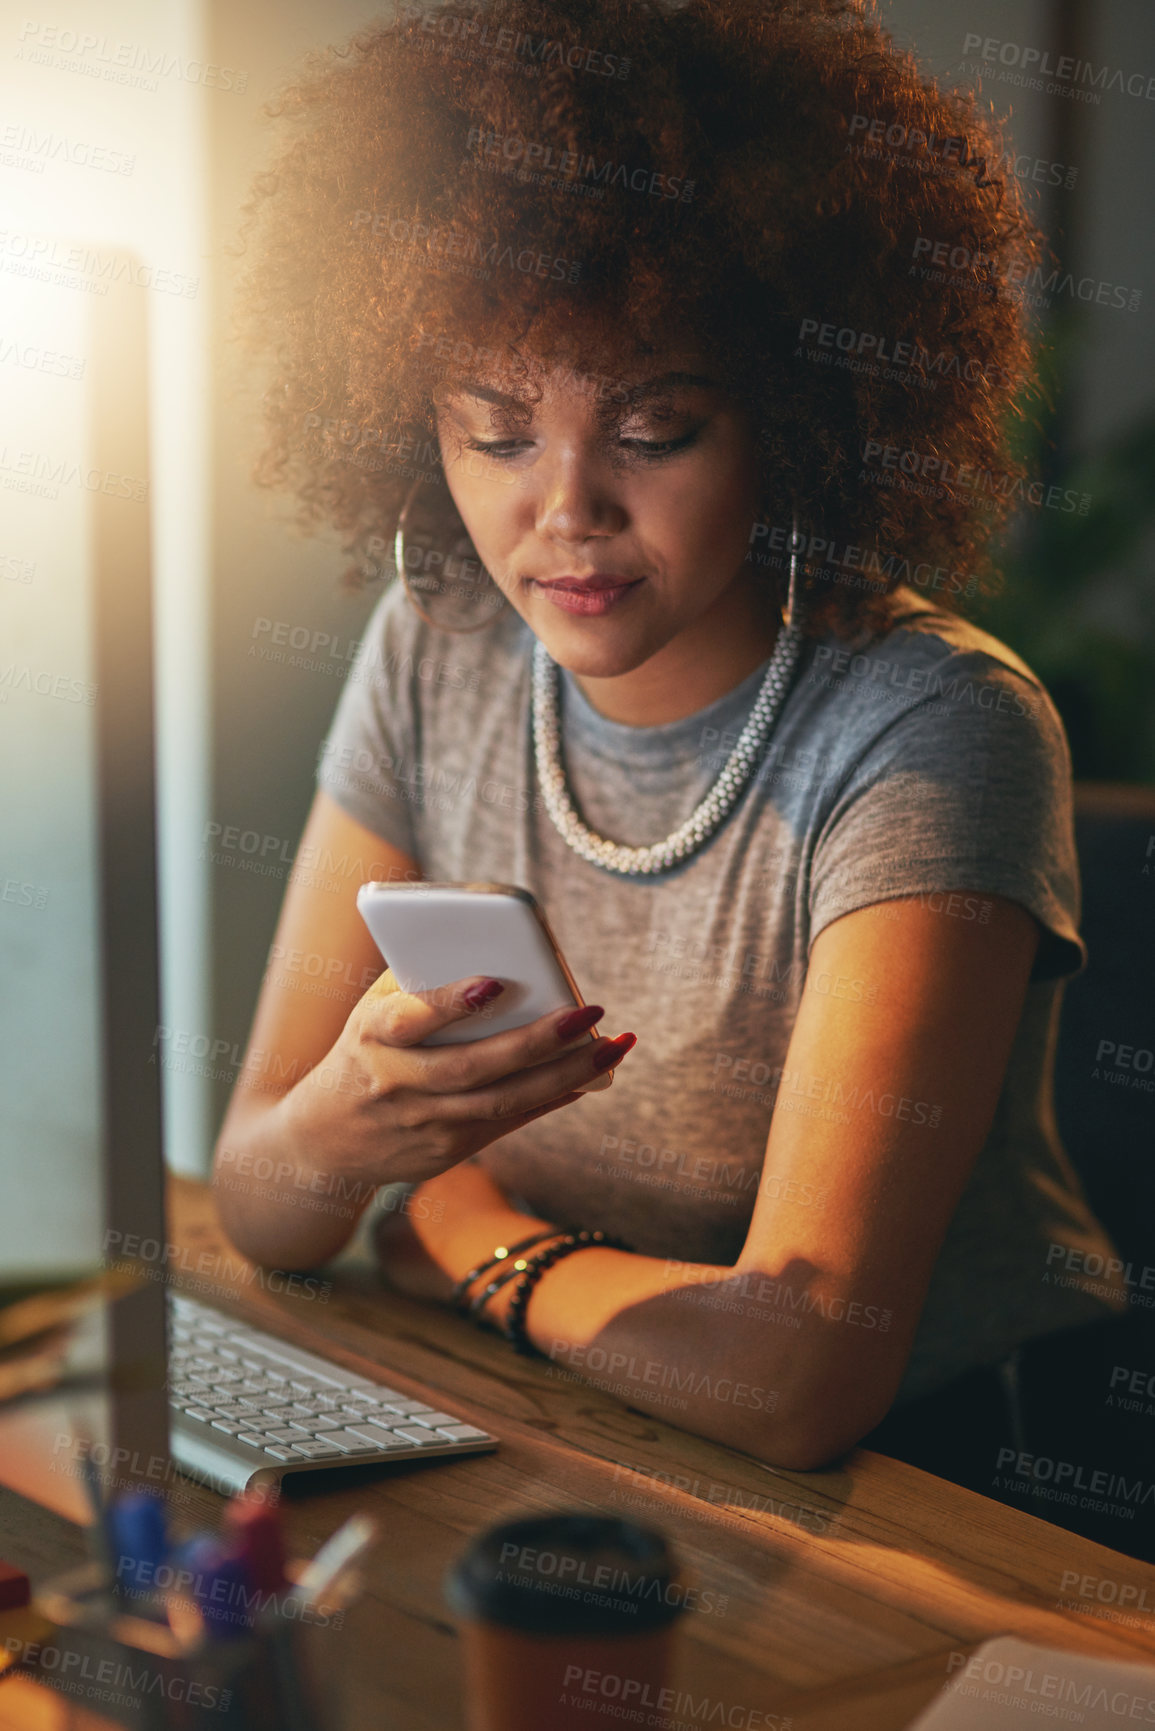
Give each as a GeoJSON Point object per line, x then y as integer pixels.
{"type": "Point", "coordinates": [247, 1407]}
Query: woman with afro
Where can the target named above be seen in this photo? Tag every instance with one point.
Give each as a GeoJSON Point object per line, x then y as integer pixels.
{"type": "Point", "coordinates": [681, 341]}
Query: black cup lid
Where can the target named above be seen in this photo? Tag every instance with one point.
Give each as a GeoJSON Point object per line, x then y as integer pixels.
{"type": "Point", "coordinates": [568, 1574]}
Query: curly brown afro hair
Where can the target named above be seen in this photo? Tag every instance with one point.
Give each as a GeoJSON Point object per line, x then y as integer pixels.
{"type": "Point", "coordinates": [573, 180]}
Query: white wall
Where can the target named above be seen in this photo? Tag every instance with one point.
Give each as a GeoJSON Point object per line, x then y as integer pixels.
{"type": "Point", "coordinates": [102, 145]}
{"type": "Point", "coordinates": [268, 719]}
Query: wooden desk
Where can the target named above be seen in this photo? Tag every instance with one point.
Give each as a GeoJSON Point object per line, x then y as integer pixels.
{"type": "Point", "coordinates": [846, 1592]}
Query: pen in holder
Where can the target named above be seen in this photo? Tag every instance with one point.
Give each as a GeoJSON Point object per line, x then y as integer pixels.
{"type": "Point", "coordinates": [173, 1665]}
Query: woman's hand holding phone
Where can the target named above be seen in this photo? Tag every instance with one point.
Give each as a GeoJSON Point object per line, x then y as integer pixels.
{"type": "Point", "coordinates": [384, 1109]}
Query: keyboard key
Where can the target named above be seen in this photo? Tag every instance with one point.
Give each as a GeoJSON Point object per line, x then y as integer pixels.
{"type": "Point", "coordinates": [347, 1441]}
{"type": "Point", "coordinates": [284, 1436]}
{"type": "Point", "coordinates": [434, 1420]}
{"type": "Point", "coordinates": [254, 1441]}
{"type": "Point", "coordinates": [313, 1451]}
{"type": "Point", "coordinates": [463, 1433]}
{"type": "Point", "coordinates": [405, 1407]}
{"type": "Point", "coordinates": [381, 1439]}
{"type": "Point", "coordinates": [228, 1425]}
{"type": "Point", "coordinates": [279, 1452]}
{"type": "Point", "coordinates": [203, 1415]}
{"type": "Point", "coordinates": [263, 1367]}
{"type": "Point", "coordinates": [421, 1437]}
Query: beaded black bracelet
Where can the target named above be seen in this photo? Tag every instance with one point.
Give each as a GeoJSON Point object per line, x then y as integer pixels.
{"type": "Point", "coordinates": [478, 1303]}
{"type": "Point", "coordinates": [500, 1254]}
{"type": "Point", "coordinates": [515, 1329]}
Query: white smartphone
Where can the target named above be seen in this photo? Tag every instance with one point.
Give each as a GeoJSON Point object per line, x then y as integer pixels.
{"type": "Point", "coordinates": [431, 934]}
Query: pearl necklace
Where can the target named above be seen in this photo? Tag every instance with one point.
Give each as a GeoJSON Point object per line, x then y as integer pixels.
{"type": "Point", "coordinates": [706, 817]}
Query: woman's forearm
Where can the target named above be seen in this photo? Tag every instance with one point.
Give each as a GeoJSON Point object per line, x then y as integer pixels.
{"type": "Point", "coordinates": [451, 1225]}
{"type": "Point", "coordinates": [294, 1172]}
{"type": "Point", "coordinates": [678, 1339]}
{"type": "Point", "coordinates": [280, 1204]}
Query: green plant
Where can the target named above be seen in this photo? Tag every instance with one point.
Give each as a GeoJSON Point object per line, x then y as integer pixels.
{"type": "Point", "coordinates": [1076, 597]}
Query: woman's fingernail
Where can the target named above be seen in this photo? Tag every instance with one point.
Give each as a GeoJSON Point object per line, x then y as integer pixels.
{"type": "Point", "coordinates": [616, 1049]}
{"type": "Point", "coordinates": [579, 1021]}
{"type": "Point", "coordinates": [483, 992]}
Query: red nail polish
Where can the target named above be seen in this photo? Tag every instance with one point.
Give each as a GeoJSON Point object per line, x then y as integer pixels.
{"type": "Point", "coordinates": [483, 993]}
{"type": "Point", "coordinates": [616, 1049]}
{"type": "Point", "coordinates": [579, 1021]}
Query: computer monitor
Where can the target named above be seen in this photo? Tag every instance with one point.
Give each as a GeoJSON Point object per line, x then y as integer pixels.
{"type": "Point", "coordinates": [79, 999]}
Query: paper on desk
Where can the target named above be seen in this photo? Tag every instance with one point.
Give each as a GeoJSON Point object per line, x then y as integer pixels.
{"type": "Point", "coordinates": [1006, 1685]}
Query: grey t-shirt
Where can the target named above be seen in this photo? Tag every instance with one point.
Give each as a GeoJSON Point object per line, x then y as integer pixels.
{"type": "Point", "coordinates": [926, 761]}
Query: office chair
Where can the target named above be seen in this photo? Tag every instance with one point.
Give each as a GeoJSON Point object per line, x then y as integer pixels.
{"type": "Point", "coordinates": [1105, 1065]}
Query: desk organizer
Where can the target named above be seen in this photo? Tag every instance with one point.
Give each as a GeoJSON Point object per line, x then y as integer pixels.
{"type": "Point", "coordinates": [146, 1674]}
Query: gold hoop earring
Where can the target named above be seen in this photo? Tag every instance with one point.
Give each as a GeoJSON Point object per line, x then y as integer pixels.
{"type": "Point", "coordinates": [791, 613]}
{"type": "Point", "coordinates": [400, 563]}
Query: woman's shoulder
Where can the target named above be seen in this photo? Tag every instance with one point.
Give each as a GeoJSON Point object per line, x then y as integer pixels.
{"type": "Point", "coordinates": [916, 626]}
{"type": "Point", "coordinates": [949, 769]}
{"type": "Point", "coordinates": [400, 649]}
{"type": "Point", "coordinates": [928, 658]}
{"type": "Point", "coordinates": [927, 626]}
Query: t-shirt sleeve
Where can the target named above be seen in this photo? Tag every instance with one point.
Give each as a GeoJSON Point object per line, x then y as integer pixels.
{"type": "Point", "coordinates": [968, 789]}
{"type": "Point", "coordinates": [372, 737]}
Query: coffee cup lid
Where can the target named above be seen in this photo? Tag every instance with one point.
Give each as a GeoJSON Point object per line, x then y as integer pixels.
{"type": "Point", "coordinates": [568, 1573]}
